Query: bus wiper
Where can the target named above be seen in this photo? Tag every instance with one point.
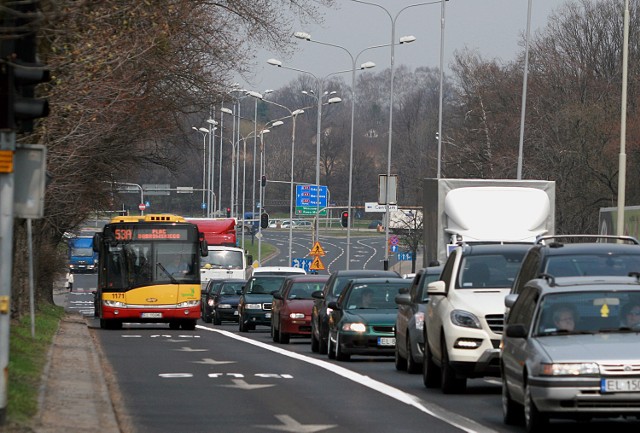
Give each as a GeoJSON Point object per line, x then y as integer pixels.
{"type": "Point", "coordinates": [173, 280]}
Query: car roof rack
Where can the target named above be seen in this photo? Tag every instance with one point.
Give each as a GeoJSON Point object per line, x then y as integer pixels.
{"type": "Point", "coordinates": [542, 240]}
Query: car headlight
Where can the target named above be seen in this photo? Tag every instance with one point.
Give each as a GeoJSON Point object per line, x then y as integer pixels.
{"type": "Point", "coordinates": [253, 306]}
{"type": "Point", "coordinates": [224, 306]}
{"type": "Point", "coordinates": [572, 369]}
{"type": "Point", "coordinates": [191, 303]}
{"type": "Point", "coordinates": [296, 316]}
{"type": "Point", "coordinates": [354, 327]}
{"type": "Point", "coordinates": [465, 319]}
{"type": "Point", "coordinates": [210, 302]}
{"type": "Point", "coordinates": [115, 304]}
{"type": "Point", "coordinates": [419, 319]}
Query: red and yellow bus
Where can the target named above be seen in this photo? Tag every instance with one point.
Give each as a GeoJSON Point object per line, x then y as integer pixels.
{"type": "Point", "coordinates": [149, 271]}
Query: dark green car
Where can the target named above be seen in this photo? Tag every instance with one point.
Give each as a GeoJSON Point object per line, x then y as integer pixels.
{"type": "Point", "coordinates": [254, 305]}
{"type": "Point", "coordinates": [363, 318]}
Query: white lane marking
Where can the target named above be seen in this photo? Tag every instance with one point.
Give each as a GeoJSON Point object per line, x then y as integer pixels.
{"type": "Point", "coordinates": [291, 425]}
{"type": "Point", "coordinates": [242, 384]}
{"type": "Point", "coordinates": [175, 375]}
{"type": "Point", "coordinates": [403, 397]}
{"type": "Point", "coordinates": [188, 349]}
{"type": "Point", "coordinates": [211, 361]}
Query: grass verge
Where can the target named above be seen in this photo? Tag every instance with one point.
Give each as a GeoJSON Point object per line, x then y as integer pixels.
{"type": "Point", "coordinates": [27, 359]}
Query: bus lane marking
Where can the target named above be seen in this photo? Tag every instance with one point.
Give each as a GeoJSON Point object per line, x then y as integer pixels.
{"type": "Point", "coordinates": [211, 361]}
{"type": "Point", "coordinates": [291, 425]}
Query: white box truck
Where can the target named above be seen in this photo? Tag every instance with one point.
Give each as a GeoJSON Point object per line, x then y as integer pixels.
{"type": "Point", "coordinates": [484, 210]}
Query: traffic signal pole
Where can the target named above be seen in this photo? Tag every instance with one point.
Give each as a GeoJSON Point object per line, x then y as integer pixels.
{"type": "Point", "coordinates": [7, 152]}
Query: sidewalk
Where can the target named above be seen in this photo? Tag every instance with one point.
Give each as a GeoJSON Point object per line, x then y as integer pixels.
{"type": "Point", "coordinates": [74, 397]}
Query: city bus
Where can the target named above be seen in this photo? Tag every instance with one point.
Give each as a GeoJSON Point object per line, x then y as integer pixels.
{"type": "Point", "coordinates": [149, 271]}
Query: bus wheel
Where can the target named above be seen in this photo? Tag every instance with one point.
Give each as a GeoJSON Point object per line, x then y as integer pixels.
{"type": "Point", "coordinates": [174, 325]}
{"type": "Point", "coordinates": [189, 325]}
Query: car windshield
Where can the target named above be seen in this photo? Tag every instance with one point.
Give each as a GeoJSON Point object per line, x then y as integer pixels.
{"type": "Point", "coordinates": [489, 270]}
{"type": "Point", "coordinates": [226, 259]}
{"type": "Point", "coordinates": [590, 312]}
{"type": "Point", "coordinates": [264, 285]}
{"type": "Point", "coordinates": [303, 290]}
{"type": "Point", "coordinates": [230, 288]}
{"type": "Point", "coordinates": [374, 295]}
{"type": "Point", "coordinates": [591, 264]}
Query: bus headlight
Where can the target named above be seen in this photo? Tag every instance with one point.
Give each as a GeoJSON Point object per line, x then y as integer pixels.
{"type": "Point", "coordinates": [191, 303]}
{"type": "Point", "coordinates": [114, 304]}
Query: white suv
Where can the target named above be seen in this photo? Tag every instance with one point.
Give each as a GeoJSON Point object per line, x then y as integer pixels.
{"type": "Point", "coordinates": [465, 314]}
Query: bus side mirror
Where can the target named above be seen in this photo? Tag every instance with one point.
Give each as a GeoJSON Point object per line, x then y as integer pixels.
{"type": "Point", "coordinates": [204, 248]}
{"type": "Point", "coordinates": [97, 240]}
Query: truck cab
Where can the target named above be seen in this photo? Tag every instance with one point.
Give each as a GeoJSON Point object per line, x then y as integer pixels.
{"type": "Point", "coordinates": [82, 257]}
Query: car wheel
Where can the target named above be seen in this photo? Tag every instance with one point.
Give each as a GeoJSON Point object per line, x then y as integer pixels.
{"type": "Point", "coordinates": [450, 383]}
{"type": "Point", "coordinates": [330, 351]}
{"type": "Point", "coordinates": [533, 420]}
{"type": "Point", "coordinates": [430, 371]}
{"type": "Point", "coordinates": [340, 355]}
{"type": "Point", "coordinates": [413, 367]}
{"type": "Point", "coordinates": [274, 333]}
{"type": "Point", "coordinates": [283, 336]}
{"type": "Point", "coordinates": [315, 345]}
{"type": "Point", "coordinates": [511, 411]}
{"type": "Point", "coordinates": [401, 363]}
{"type": "Point", "coordinates": [323, 346]}
{"type": "Point", "coordinates": [216, 319]}
{"type": "Point", "coordinates": [242, 327]}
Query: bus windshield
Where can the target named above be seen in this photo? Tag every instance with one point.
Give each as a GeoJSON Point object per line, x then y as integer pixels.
{"type": "Point", "coordinates": [136, 264]}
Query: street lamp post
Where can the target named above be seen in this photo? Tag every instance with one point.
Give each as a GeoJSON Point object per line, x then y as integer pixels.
{"type": "Point", "coordinates": [622, 158]}
{"type": "Point", "coordinates": [222, 111]}
{"type": "Point", "coordinates": [204, 132]}
{"type": "Point", "coordinates": [334, 100]}
{"type": "Point", "coordinates": [211, 204]}
{"type": "Point", "coordinates": [366, 65]}
{"type": "Point", "coordinates": [393, 37]}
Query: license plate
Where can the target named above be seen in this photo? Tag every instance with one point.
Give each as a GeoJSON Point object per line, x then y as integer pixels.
{"type": "Point", "coordinates": [386, 341]}
{"type": "Point", "coordinates": [619, 385]}
{"type": "Point", "coordinates": [267, 315]}
{"type": "Point", "coordinates": [151, 315]}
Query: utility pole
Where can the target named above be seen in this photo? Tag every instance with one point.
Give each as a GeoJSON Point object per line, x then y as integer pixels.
{"type": "Point", "coordinates": [19, 74]}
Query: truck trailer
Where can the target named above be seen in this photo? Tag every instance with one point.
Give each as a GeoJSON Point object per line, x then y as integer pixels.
{"type": "Point", "coordinates": [457, 211]}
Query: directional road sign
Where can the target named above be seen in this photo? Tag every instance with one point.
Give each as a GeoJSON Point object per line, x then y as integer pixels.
{"type": "Point", "coordinates": [309, 196]}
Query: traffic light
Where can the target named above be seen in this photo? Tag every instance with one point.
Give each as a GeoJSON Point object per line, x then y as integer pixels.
{"type": "Point", "coordinates": [345, 219]}
{"type": "Point", "coordinates": [20, 73]}
{"type": "Point", "coordinates": [228, 212]}
{"type": "Point", "coordinates": [264, 220]}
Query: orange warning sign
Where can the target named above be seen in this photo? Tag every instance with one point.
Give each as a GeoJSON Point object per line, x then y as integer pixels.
{"type": "Point", "coordinates": [316, 265]}
{"type": "Point", "coordinates": [316, 250]}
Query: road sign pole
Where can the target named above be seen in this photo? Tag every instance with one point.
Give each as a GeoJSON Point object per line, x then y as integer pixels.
{"type": "Point", "coordinates": [8, 147]}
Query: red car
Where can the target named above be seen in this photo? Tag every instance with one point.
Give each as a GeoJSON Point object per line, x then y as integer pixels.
{"type": "Point", "coordinates": [292, 305]}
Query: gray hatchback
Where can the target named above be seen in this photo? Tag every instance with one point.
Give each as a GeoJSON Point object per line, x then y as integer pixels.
{"type": "Point", "coordinates": [571, 349]}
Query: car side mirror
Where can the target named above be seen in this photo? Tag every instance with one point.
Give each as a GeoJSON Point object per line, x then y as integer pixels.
{"type": "Point", "coordinates": [510, 299]}
{"type": "Point", "coordinates": [403, 290]}
{"type": "Point", "coordinates": [436, 288]}
{"type": "Point", "coordinates": [317, 294]}
{"type": "Point", "coordinates": [333, 305]}
{"type": "Point", "coordinates": [403, 299]}
{"type": "Point", "coordinates": [277, 295]}
{"type": "Point", "coordinates": [517, 330]}
{"type": "Point", "coordinates": [239, 292]}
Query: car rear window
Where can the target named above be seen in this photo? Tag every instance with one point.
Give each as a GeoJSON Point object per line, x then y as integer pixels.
{"type": "Point", "coordinates": [489, 270]}
{"type": "Point", "coordinates": [592, 264]}
{"type": "Point", "coordinates": [382, 295]}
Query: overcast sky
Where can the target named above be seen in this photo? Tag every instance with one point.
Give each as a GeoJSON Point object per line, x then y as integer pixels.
{"type": "Point", "coordinates": [494, 28]}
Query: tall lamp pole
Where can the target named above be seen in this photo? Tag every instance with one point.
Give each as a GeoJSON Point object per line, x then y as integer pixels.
{"type": "Point", "coordinates": [334, 100]}
{"type": "Point", "coordinates": [366, 65]}
{"type": "Point", "coordinates": [622, 171]}
{"type": "Point", "coordinates": [393, 37]}
{"type": "Point", "coordinates": [204, 132]}
{"type": "Point", "coordinates": [524, 93]}
{"type": "Point", "coordinates": [222, 111]}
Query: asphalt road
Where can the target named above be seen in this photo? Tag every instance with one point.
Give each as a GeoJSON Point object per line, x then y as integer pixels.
{"type": "Point", "coordinates": [216, 379]}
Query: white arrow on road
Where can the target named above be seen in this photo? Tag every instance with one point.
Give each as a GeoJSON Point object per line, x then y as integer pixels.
{"type": "Point", "coordinates": [291, 425]}
{"type": "Point", "coordinates": [211, 361]}
{"type": "Point", "coordinates": [241, 384]}
{"type": "Point", "coordinates": [188, 349]}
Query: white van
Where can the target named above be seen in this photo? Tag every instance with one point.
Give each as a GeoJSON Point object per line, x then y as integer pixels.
{"type": "Point", "coordinates": [276, 270]}
{"type": "Point", "coordinates": [223, 263]}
